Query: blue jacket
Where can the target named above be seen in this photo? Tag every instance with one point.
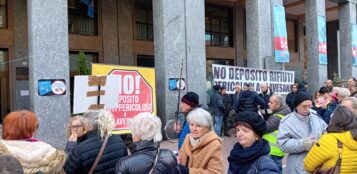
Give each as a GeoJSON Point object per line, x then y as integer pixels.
{"type": "Point", "coordinates": [326, 113]}
{"type": "Point", "coordinates": [263, 165]}
{"type": "Point", "coordinates": [185, 130]}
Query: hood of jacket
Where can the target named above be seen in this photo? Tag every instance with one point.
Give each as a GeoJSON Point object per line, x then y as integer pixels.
{"type": "Point", "coordinates": [34, 156]}
{"type": "Point", "coordinates": [346, 139]}
{"type": "Point", "coordinates": [144, 146]}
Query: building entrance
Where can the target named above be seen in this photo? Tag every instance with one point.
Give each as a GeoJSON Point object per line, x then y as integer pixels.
{"type": "Point", "coordinates": [4, 83]}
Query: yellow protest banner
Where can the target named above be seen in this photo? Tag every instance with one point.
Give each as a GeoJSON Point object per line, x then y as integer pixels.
{"type": "Point", "coordinates": [134, 93]}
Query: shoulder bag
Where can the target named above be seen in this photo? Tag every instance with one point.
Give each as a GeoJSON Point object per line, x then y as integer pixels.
{"type": "Point", "coordinates": [156, 158]}
{"type": "Point", "coordinates": [99, 155]}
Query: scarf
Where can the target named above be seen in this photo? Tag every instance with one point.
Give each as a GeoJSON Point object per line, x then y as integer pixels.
{"type": "Point", "coordinates": [240, 160]}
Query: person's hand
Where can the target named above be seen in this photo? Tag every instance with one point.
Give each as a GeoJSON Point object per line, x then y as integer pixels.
{"type": "Point", "coordinates": [73, 137]}
{"type": "Point", "coordinates": [178, 159]}
{"type": "Point", "coordinates": [309, 142]}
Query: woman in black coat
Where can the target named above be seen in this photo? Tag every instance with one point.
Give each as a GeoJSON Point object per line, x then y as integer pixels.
{"type": "Point", "coordinates": [146, 157]}
{"type": "Point", "coordinates": [81, 159]}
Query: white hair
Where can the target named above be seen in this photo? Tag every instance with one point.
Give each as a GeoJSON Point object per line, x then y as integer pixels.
{"type": "Point", "coordinates": [101, 120]}
{"type": "Point", "coordinates": [146, 126]}
{"type": "Point", "coordinates": [344, 92]}
{"type": "Point", "coordinates": [201, 117]}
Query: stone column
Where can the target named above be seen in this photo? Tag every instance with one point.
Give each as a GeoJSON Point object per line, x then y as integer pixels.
{"type": "Point", "coordinates": [48, 59]}
{"type": "Point", "coordinates": [259, 32]}
{"type": "Point", "coordinates": [179, 34]}
{"type": "Point", "coordinates": [316, 73]}
{"type": "Point", "coordinates": [110, 31]}
{"type": "Point", "coordinates": [347, 17]}
{"type": "Point", "coordinates": [125, 32]}
{"type": "Point", "coordinates": [239, 34]}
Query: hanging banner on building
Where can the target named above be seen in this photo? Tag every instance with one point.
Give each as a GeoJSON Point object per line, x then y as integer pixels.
{"type": "Point", "coordinates": [280, 35]}
{"type": "Point", "coordinates": [133, 93]}
{"type": "Point", "coordinates": [354, 44]}
{"type": "Point", "coordinates": [230, 76]}
{"type": "Point", "coordinates": [322, 40]}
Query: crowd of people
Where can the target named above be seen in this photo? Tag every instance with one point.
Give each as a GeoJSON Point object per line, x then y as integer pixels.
{"type": "Point", "coordinates": [316, 133]}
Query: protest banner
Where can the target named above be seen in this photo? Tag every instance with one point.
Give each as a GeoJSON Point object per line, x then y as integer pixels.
{"type": "Point", "coordinates": [280, 35]}
{"type": "Point", "coordinates": [230, 76]}
{"type": "Point", "coordinates": [354, 44]}
{"type": "Point", "coordinates": [321, 21]}
{"type": "Point", "coordinates": [133, 92]}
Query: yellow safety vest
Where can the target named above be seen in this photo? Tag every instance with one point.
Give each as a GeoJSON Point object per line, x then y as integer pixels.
{"type": "Point", "coordinates": [271, 138]}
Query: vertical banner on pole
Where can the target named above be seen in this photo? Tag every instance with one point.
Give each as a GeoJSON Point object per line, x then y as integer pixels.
{"type": "Point", "coordinates": [322, 40]}
{"type": "Point", "coordinates": [280, 35]}
{"type": "Point", "coordinates": [354, 44]}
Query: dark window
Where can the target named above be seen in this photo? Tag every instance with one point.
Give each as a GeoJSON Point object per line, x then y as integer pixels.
{"type": "Point", "coordinates": [209, 75]}
{"type": "Point", "coordinates": [219, 26]}
{"type": "Point", "coordinates": [3, 13]}
{"type": "Point", "coordinates": [73, 58]}
{"type": "Point", "coordinates": [144, 20]}
{"type": "Point", "coordinates": [4, 83]}
{"type": "Point", "coordinates": [145, 61]}
{"type": "Point", "coordinates": [82, 19]}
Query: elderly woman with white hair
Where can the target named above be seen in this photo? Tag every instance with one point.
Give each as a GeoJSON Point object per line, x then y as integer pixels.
{"type": "Point", "coordinates": [146, 157]}
{"type": "Point", "coordinates": [202, 149]}
{"type": "Point", "coordinates": [84, 155]}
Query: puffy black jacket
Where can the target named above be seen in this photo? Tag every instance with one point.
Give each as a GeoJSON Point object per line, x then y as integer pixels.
{"type": "Point", "coordinates": [143, 157]}
{"type": "Point", "coordinates": [249, 101]}
{"type": "Point", "coordinates": [85, 153]}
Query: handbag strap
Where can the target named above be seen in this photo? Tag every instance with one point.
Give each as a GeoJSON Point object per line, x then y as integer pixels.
{"type": "Point", "coordinates": [156, 158]}
{"type": "Point", "coordinates": [99, 155]}
{"type": "Point", "coordinates": [339, 144]}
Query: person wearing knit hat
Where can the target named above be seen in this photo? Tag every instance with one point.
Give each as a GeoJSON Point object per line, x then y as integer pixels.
{"type": "Point", "coordinates": [300, 97]}
{"type": "Point", "coordinates": [299, 131]}
{"type": "Point", "coordinates": [251, 153]}
{"type": "Point", "coordinates": [188, 102]}
{"type": "Point", "coordinates": [191, 99]}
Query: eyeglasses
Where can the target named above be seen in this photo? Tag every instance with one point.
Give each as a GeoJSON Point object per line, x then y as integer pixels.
{"type": "Point", "coordinates": [76, 126]}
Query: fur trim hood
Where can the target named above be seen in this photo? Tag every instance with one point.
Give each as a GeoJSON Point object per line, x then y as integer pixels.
{"type": "Point", "coordinates": [35, 156]}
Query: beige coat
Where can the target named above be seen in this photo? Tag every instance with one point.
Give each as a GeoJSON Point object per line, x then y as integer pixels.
{"type": "Point", "coordinates": [35, 156]}
{"type": "Point", "coordinates": [206, 157]}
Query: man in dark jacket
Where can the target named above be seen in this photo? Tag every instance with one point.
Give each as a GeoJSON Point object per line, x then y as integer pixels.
{"type": "Point", "coordinates": [279, 111]}
{"type": "Point", "coordinates": [265, 94]}
{"type": "Point", "coordinates": [291, 95]}
{"type": "Point", "coordinates": [248, 100]}
{"type": "Point", "coordinates": [217, 109]}
{"type": "Point", "coordinates": [227, 102]}
{"type": "Point", "coordinates": [84, 154]}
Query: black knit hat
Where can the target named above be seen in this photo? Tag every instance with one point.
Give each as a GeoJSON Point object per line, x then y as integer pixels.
{"type": "Point", "coordinates": [216, 87]}
{"type": "Point", "coordinates": [253, 119]}
{"type": "Point", "coordinates": [300, 97]}
{"type": "Point", "coordinates": [191, 99]}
